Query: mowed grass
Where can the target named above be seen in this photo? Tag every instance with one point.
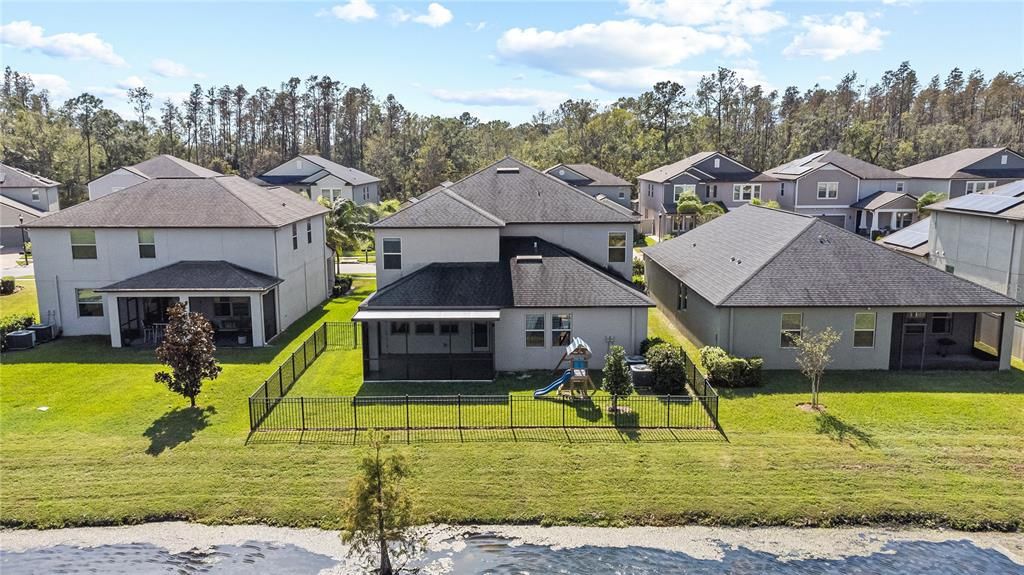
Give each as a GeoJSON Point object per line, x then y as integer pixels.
{"type": "Point", "coordinates": [21, 301]}
{"type": "Point", "coordinates": [114, 447]}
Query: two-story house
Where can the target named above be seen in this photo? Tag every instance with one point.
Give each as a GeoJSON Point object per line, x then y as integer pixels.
{"type": "Point", "coordinates": [252, 259]}
{"type": "Point", "coordinates": [845, 191]}
{"type": "Point", "coordinates": [594, 181]}
{"type": "Point", "coordinates": [24, 197]}
{"type": "Point", "coordinates": [159, 167]}
{"type": "Point", "coordinates": [965, 172]}
{"type": "Point", "coordinates": [498, 272]}
{"type": "Point", "coordinates": [711, 176]}
{"type": "Point", "coordinates": [317, 177]}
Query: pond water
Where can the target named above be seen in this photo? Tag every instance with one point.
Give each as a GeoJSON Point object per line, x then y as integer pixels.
{"type": "Point", "coordinates": [480, 553]}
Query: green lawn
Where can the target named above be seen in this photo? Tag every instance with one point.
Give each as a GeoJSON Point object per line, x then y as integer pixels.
{"type": "Point", "coordinates": [114, 447]}
{"type": "Point", "coordinates": [21, 301]}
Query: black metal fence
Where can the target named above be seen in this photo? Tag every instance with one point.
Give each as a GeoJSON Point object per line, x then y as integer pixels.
{"type": "Point", "coordinates": [482, 412]}
{"type": "Point", "coordinates": [701, 388]}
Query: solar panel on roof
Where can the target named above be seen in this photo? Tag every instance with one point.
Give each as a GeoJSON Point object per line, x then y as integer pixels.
{"type": "Point", "coordinates": [1013, 189]}
{"type": "Point", "coordinates": [908, 238]}
{"type": "Point", "coordinates": [984, 204]}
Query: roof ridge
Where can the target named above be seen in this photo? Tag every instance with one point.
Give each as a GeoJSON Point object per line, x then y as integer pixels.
{"type": "Point", "coordinates": [470, 205]}
{"type": "Point", "coordinates": [217, 180]}
{"type": "Point", "coordinates": [588, 263]}
{"type": "Point", "coordinates": [571, 187]}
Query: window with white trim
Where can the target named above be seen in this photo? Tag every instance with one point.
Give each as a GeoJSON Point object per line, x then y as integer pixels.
{"type": "Point", "coordinates": [1002, 160]}
{"type": "Point", "coordinates": [718, 163]}
{"type": "Point", "coordinates": [682, 295]}
{"type": "Point", "coordinates": [979, 186]}
{"type": "Point", "coordinates": [534, 330]}
{"type": "Point", "coordinates": [35, 194]}
{"type": "Point", "coordinates": [295, 236]}
{"type": "Point", "coordinates": [83, 244]}
{"type": "Point", "coordinates": [391, 250]}
{"type": "Point", "coordinates": [864, 329]}
{"type": "Point", "coordinates": [622, 195]}
{"type": "Point", "coordinates": [792, 326]}
{"type": "Point", "coordinates": [298, 164]}
{"type": "Point", "coordinates": [617, 247]}
{"type": "Point", "coordinates": [147, 244]}
{"type": "Point", "coordinates": [904, 219]}
{"type": "Point", "coordinates": [746, 192]}
{"type": "Point", "coordinates": [90, 303]}
{"type": "Point", "coordinates": [828, 190]}
{"type": "Point", "coordinates": [561, 329]}
{"type": "Point", "coordinates": [942, 323]}
{"type": "Point", "coordinates": [309, 231]}
{"type": "Point", "coordinates": [399, 327]}
{"type": "Point", "coordinates": [679, 189]}
{"type": "Point", "coordinates": [899, 187]}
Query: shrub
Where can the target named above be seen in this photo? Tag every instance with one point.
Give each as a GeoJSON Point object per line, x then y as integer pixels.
{"type": "Point", "coordinates": [1020, 315]}
{"type": "Point", "coordinates": [7, 285]}
{"type": "Point", "coordinates": [648, 343]}
{"type": "Point", "coordinates": [616, 380]}
{"type": "Point", "coordinates": [638, 267]}
{"type": "Point", "coordinates": [725, 370]}
{"type": "Point", "coordinates": [640, 283]}
{"type": "Point", "coordinates": [14, 322]}
{"type": "Point", "coordinates": [667, 369]}
{"type": "Point", "coordinates": [639, 239]}
{"type": "Point", "coordinates": [341, 285]}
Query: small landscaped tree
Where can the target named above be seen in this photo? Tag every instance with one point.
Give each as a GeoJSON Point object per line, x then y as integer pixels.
{"type": "Point", "coordinates": [769, 204]}
{"type": "Point", "coordinates": [378, 512]}
{"type": "Point", "coordinates": [814, 353]}
{"type": "Point", "coordinates": [616, 380]}
{"type": "Point", "coordinates": [667, 368]}
{"type": "Point", "coordinates": [188, 350]}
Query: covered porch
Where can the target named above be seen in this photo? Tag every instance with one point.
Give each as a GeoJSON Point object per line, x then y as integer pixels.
{"type": "Point", "coordinates": [951, 340]}
{"type": "Point", "coordinates": [428, 345]}
{"type": "Point", "coordinates": [885, 212]}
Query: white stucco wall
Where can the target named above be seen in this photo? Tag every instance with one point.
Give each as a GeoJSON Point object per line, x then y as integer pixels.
{"type": "Point", "coordinates": [984, 250]}
{"type": "Point", "coordinates": [119, 179]}
{"type": "Point", "coordinates": [588, 240]}
{"type": "Point", "coordinates": [423, 246]}
{"type": "Point", "coordinates": [303, 270]}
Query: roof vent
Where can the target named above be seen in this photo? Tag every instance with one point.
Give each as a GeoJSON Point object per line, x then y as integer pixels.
{"type": "Point", "coordinates": [823, 240]}
{"type": "Point", "coordinates": [529, 259]}
{"type": "Point", "coordinates": [513, 170]}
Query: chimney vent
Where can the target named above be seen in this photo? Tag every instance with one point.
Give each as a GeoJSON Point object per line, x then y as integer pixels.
{"type": "Point", "coordinates": [512, 170]}
{"type": "Point", "coordinates": [529, 259]}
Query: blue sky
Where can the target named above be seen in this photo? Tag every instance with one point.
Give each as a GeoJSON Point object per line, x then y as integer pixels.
{"type": "Point", "coordinates": [498, 60]}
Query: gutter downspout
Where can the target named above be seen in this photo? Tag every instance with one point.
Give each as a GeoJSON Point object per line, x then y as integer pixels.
{"type": "Point", "coordinates": [1009, 265]}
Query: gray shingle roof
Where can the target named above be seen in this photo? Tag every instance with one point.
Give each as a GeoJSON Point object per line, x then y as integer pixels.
{"type": "Point", "coordinates": [558, 279]}
{"type": "Point", "coordinates": [516, 193]}
{"type": "Point", "coordinates": [11, 177]}
{"type": "Point", "coordinates": [196, 276]}
{"type": "Point", "coordinates": [167, 166]}
{"type": "Point", "coordinates": [597, 176]}
{"type": "Point", "coordinates": [222, 202]}
{"type": "Point", "coordinates": [878, 200]}
{"type": "Point", "coordinates": [27, 209]}
{"type": "Point", "coordinates": [441, 209]}
{"type": "Point", "coordinates": [667, 172]}
{"type": "Point", "coordinates": [802, 166]}
{"type": "Point", "coordinates": [350, 175]}
{"type": "Point", "coordinates": [948, 166]}
{"type": "Point", "coordinates": [759, 257]}
{"type": "Point", "coordinates": [1010, 190]}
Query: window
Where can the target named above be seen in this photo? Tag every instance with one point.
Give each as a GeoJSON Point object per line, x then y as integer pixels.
{"type": "Point", "coordinates": [622, 195]}
{"type": "Point", "coordinates": [90, 303]}
{"type": "Point", "coordinates": [678, 224]}
{"type": "Point", "coordinates": [903, 219]}
{"type": "Point", "coordinates": [828, 190]}
{"type": "Point", "coordinates": [424, 328]}
{"type": "Point", "coordinates": [1002, 160]}
{"type": "Point", "coordinates": [449, 328]}
{"type": "Point", "coordinates": [782, 189]}
{"type": "Point", "coordinates": [309, 231]}
{"type": "Point", "coordinates": [864, 329]}
{"type": "Point", "coordinates": [681, 296]}
{"type": "Point", "coordinates": [222, 307]}
{"type": "Point", "coordinates": [534, 330]}
{"type": "Point", "coordinates": [561, 329]}
{"type": "Point", "coordinates": [295, 236]}
{"type": "Point", "coordinates": [616, 247]}
{"type": "Point", "coordinates": [392, 250]}
{"type": "Point", "coordinates": [899, 187]}
{"type": "Point", "coordinates": [792, 326]}
{"type": "Point", "coordinates": [718, 163]}
{"type": "Point", "coordinates": [83, 244]}
{"type": "Point", "coordinates": [35, 195]}
{"type": "Point", "coordinates": [298, 164]}
{"type": "Point", "coordinates": [915, 322]}
{"type": "Point", "coordinates": [366, 194]}
{"type": "Point", "coordinates": [147, 244]}
{"type": "Point", "coordinates": [949, 268]}
{"type": "Point", "coordinates": [942, 323]}
{"type": "Point", "coordinates": [679, 189]}
{"type": "Point", "coordinates": [979, 186]}
{"type": "Point", "coordinates": [399, 327]}
{"type": "Point", "coordinates": [650, 190]}
{"type": "Point", "coordinates": [714, 189]}
{"type": "Point", "coordinates": [746, 192]}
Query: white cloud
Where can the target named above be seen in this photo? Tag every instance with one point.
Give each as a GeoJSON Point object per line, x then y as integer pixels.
{"type": "Point", "coordinates": [501, 97]}
{"type": "Point", "coordinates": [171, 69]}
{"type": "Point", "coordinates": [58, 86]}
{"type": "Point", "coordinates": [738, 17]}
{"type": "Point", "coordinates": [435, 17]}
{"type": "Point", "coordinates": [131, 82]}
{"type": "Point", "coordinates": [354, 11]}
{"type": "Point", "coordinates": [476, 26]}
{"type": "Point", "coordinates": [24, 35]}
{"type": "Point", "coordinates": [848, 33]}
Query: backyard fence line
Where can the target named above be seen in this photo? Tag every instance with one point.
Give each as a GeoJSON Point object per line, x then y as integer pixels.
{"type": "Point", "coordinates": [337, 335]}
{"type": "Point", "coordinates": [409, 413]}
{"type": "Point", "coordinates": [701, 388]}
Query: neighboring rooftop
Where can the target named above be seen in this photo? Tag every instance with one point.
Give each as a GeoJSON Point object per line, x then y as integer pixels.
{"type": "Point", "coordinates": [530, 273]}
{"type": "Point", "coordinates": [667, 172]}
{"type": "Point", "coordinates": [759, 257]}
{"type": "Point", "coordinates": [441, 209]}
{"type": "Point", "coordinates": [597, 176]}
{"type": "Point", "coordinates": [11, 177]}
{"type": "Point", "coordinates": [955, 165]}
{"type": "Point", "coordinates": [167, 166]}
{"type": "Point", "coordinates": [811, 162]}
{"type": "Point", "coordinates": [1004, 202]}
{"type": "Point", "coordinates": [15, 204]}
{"type": "Point", "coordinates": [879, 200]}
{"type": "Point", "coordinates": [221, 202]}
{"type": "Point", "coordinates": [198, 276]}
{"type": "Point", "coordinates": [912, 240]}
{"type": "Point", "coordinates": [352, 176]}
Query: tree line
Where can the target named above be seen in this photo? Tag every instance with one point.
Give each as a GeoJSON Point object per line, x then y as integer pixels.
{"type": "Point", "coordinates": [895, 122]}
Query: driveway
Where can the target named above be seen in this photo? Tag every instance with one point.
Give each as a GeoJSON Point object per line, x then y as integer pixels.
{"type": "Point", "coordinates": [356, 269]}
{"type": "Point", "coordinates": [9, 266]}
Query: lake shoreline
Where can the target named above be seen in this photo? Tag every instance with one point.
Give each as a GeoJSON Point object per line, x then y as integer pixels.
{"type": "Point", "coordinates": [697, 541]}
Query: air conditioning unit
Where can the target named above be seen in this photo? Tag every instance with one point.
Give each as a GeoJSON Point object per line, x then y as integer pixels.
{"type": "Point", "coordinates": [44, 332]}
{"type": "Point", "coordinates": [21, 339]}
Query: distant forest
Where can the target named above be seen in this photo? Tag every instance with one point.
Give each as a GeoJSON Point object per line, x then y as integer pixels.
{"type": "Point", "coordinates": [897, 122]}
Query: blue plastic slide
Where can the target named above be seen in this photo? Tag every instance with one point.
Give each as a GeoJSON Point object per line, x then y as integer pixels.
{"type": "Point", "coordinates": [554, 384]}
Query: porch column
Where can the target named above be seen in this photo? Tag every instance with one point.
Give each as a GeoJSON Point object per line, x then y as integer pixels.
{"type": "Point", "coordinates": [1006, 340]}
{"type": "Point", "coordinates": [113, 315]}
{"type": "Point", "coordinates": [874, 221]}
{"type": "Point", "coordinates": [892, 226]}
{"type": "Point", "coordinates": [256, 316]}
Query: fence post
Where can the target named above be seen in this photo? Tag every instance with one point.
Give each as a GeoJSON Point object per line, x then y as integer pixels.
{"type": "Point", "coordinates": [316, 343]}
{"type": "Point", "coordinates": [293, 369]}
{"type": "Point", "coordinates": [460, 411]}
{"type": "Point", "coordinates": [302, 408]}
{"type": "Point", "coordinates": [252, 419]}
{"type": "Point", "coordinates": [511, 421]}
{"type": "Point", "coordinates": [305, 359]}
{"type": "Point", "coordinates": [563, 414]}
{"type": "Point", "coordinates": [355, 416]}
{"type": "Point", "coordinates": [407, 422]}
{"type": "Point", "coordinates": [668, 415]}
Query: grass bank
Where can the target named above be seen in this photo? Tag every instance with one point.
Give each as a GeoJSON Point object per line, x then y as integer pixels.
{"type": "Point", "coordinates": [21, 301]}
{"type": "Point", "coordinates": [114, 447]}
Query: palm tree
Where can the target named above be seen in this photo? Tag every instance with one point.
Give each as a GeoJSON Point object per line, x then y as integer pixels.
{"type": "Point", "coordinates": [348, 224]}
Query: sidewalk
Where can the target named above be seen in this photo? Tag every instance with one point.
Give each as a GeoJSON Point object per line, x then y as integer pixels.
{"type": "Point", "coordinates": [9, 266]}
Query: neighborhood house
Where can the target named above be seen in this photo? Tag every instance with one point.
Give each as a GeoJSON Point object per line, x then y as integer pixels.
{"type": "Point", "coordinates": [966, 171]}
{"type": "Point", "coordinates": [24, 198]}
{"type": "Point", "coordinates": [159, 167]}
{"type": "Point", "coordinates": [594, 181]}
{"type": "Point", "coordinates": [316, 177]}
